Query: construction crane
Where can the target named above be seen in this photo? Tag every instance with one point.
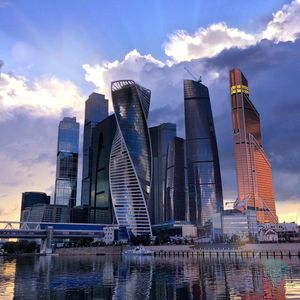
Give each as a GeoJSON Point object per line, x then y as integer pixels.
{"type": "Point", "coordinates": [198, 80]}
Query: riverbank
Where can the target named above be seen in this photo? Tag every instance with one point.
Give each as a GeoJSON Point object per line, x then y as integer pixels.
{"type": "Point", "coordinates": [253, 250]}
{"type": "Point", "coordinates": [104, 250]}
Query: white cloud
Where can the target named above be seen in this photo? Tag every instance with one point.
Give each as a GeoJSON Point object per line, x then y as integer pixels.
{"type": "Point", "coordinates": [45, 97]}
{"type": "Point", "coordinates": [134, 66]}
{"type": "Point", "coordinates": [206, 42]}
{"type": "Point", "coordinates": [210, 41]}
{"type": "Point", "coordinates": [285, 24]}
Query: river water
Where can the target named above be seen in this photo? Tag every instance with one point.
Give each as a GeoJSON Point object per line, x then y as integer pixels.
{"type": "Point", "coordinates": [141, 278]}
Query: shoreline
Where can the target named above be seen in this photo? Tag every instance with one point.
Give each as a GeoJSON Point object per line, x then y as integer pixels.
{"type": "Point", "coordinates": [253, 250]}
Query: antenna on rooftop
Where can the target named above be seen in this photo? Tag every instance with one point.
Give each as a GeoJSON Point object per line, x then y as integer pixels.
{"type": "Point", "coordinates": [198, 80]}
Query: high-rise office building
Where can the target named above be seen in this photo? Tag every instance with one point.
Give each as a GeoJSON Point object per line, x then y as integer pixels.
{"type": "Point", "coordinates": [254, 172]}
{"type": "Point", "coordinates": [96, 110]}
{"type": "Point", "coordinates": [67, 162]}
{"type": "Point", "coordinates": [161, 136]}
{"type": "Point", "coordinates": [204, 178]}
{"type": "Point", "coordinates": [176, 191]}
{"type": "Point", "coordinates": [100, 206]}
{"type": "Point", "coordinates": [32, 198]}
{"type": "Point", "coordinates": [130, 159]}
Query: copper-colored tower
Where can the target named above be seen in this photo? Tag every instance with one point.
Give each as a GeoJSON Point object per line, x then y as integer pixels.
{"type": "Point", "coordinates": [254, 171]}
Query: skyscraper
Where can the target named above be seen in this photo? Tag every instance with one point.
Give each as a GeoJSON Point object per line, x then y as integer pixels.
{"type": "Point", "coordinates": [67, 162]}
{"type": "Point", "coordinates": [96, 110]}
{"type": "Point", "coordinates": [204, 178]}
{"type": "Point", "coordinates": [254, 172]}
{"type": "Point", "coordinates": [176, 190]}
{"type": "Point", "coordinates": [161, 136]}
{"type": "Point", "coordinates": [130, 158]}
{"type": "Point", "coordinates": [100, 206]}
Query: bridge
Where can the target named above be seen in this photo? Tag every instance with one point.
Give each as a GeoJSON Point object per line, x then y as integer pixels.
{"type": "Point", "coordinates": [49, 231]}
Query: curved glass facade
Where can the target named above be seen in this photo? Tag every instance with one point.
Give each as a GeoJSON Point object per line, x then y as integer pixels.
{"type": "Point", "coordinates": [204, 178]}
{"type": "Point", "coordinates": [130, 160]}
{"type": "Point", "coordinates": [254, 171]}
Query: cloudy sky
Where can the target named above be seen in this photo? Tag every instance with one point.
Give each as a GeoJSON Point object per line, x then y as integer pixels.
{"type": "Point", "coordinates": [56, 53]}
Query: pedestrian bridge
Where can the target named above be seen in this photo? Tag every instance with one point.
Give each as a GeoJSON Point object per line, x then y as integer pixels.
{"type": "Point", "coordinates": [12, 229]}
{"type": "Point", "coordinates": [49, 231]}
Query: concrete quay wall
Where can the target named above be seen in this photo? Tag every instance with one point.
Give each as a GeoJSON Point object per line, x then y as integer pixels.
{"type": "Point", "coordinates": [248, 250]}
{"type": "Point", "coordinates": [285, 248]}
{"type": "Point", "coordinates": [107, 250]}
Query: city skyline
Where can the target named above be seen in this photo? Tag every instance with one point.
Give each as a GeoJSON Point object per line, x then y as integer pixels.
{"type": "Point", "coordinates": [30, 114]}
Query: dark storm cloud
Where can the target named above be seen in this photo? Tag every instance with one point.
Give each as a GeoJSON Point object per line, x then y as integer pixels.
{"type": "Point", "coordinates": [273, 72]}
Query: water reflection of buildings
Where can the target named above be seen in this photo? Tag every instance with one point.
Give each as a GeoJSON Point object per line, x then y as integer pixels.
{"type": "Point", "coordinates": [134, 279]}
{"type": "Point", "coordinates": [151, 278]}
{"type": "Point", "coordinates": [216, 279]}
{"type": "Point", "coordinates": [82, 278]}
{"type": "Point", "coordinates": [7, 275]}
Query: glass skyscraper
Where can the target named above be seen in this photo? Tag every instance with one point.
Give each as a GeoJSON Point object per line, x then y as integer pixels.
{"type": "Point", "coordinates": [100, 206]}
{"type": "Point", "coordinates": [67, 162]}
{"type": "Point", "coordinates": [204, 178]}
{"type": "Point", "coordinates": [161, 136]}
{"type": "Point", "coordinates": [254, 172]}
{"type": "Point", "coordinates": [130, 158]}
{"type": "Point", "coordinates": [96, 110]}
{"type": "Point", "coordinates": [176, 191]}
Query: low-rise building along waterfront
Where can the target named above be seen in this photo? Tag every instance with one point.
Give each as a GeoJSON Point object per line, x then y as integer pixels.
{"type": "Point", "coordinates": [47, 213]}
{"type": "Point", "coordinates": [176, 228]}
{"type": "Point", "coordinates": [32, 198]}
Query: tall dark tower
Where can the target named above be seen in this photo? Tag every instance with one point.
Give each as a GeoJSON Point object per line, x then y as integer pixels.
{"type": "Point", "coordinates": [100, 206]}
{"type": "Point", "coordinates": [203, 169]}
{"type": "Point", "coordinates": [254, 171]}
{"type": "Point", "coordinates": [161, 136]}
{"type": "Point", "coordinates": [96, 110]}
{"type": "Point", "coordinates": [176, 196]}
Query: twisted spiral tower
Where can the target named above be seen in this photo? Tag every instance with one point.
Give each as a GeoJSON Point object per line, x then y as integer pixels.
{"type": "Point", "coordinates": [130, 159]}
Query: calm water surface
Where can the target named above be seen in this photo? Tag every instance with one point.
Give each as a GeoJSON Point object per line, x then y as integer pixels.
{"type": "Point", "coordinates": [97, 277]}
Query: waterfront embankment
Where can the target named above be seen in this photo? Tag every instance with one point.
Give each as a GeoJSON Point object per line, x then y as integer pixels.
{"type": "Point", "coordinates": [248, 250]}
{"type": "Point", "coordinates": [106, 250]}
